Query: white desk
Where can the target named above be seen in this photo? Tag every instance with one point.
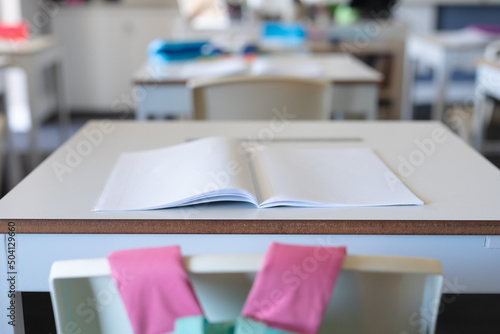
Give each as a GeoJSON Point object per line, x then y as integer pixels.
{"type": "Point", "coordinates": [34, 57]}
{"type": "Point", "coordinates": [460, 188]}
{"type": "Point", "coordinates": [487, 87]}
{"type": "Point", "coordinates": [161, 90]}
{"type": "Point", "coordinates": [444, 53]}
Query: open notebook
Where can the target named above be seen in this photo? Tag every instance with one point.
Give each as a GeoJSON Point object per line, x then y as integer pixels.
{"type": "Point", "coordinates": [220, 169]}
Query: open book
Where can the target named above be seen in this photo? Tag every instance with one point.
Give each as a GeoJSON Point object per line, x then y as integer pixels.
{"type": "Point", "coordinates": [221, 169]}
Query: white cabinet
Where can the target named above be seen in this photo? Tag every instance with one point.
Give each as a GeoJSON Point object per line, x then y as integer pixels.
{"type": "Point", "coordinates": [104, 45]}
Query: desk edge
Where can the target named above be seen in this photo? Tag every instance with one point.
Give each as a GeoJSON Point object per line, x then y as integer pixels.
{"type": "Point", "coordinates": [253, 226]}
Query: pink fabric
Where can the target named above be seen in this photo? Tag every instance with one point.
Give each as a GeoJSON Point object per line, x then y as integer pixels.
{"type": "Point", "coordinates": [293, 288]}
{"type": "Point", "coordinates": [154, 288]}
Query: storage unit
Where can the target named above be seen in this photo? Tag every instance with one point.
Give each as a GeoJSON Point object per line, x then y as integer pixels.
{"type": "Point", "coordinates": [104, 45]}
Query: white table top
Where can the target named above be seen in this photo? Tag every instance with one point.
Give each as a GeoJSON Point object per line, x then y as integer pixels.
{"type": "Point", "coordinates": [30, 46]}
{"type": "Point", "coordinates": [456, 40]}
{"type": "Point", "coordinates": [460, 188]}
{"type": "Point", "coordinates": [339, 68]}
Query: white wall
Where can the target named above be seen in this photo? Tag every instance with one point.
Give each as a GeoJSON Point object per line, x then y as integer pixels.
{"type": "Point", "coordinates": [419, 18]}
{"type": "Point", "coordinates": [38, 15]}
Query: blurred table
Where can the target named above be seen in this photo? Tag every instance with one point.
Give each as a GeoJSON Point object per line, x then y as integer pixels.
{"type": "Point", "coordinates": [161, 90]}
{"type": "Point", "coordinates": [385, 55]}
{"type": "Point", "coordinates": [36, 57]}
{"type": "Point", "coordinates": [4, 134]}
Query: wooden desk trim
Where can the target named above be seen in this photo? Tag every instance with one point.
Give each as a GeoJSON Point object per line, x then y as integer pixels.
{"type": "Point", "coordinates": [263, 226]}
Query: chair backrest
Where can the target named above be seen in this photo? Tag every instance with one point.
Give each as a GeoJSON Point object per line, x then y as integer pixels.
{"type": "Point", "coordinates": [3, 144]}
{"type": "Point", "coordinates": [373, 294]}
{"type": "Point", "coordinates": [492, 51]}
{"type": "Point", "coordinates": [260, 98]}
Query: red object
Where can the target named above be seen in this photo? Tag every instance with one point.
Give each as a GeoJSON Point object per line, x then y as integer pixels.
{"type": "Point", "coordinates": [14, 31]}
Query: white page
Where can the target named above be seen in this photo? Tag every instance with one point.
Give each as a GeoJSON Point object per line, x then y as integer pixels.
{"type": "Point", "coordinates": [213, 68]}
{"type": "Point", "coordinates": [329, 177]}
{"type": "Point", "coordinates": [204, 170]}
{"type": "Point", "coordinates": [301, 67]}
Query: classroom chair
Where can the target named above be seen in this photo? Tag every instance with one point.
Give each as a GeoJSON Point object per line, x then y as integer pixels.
{"type": "Point", "coordinates": [444, 53]}
{"type": "Point", "coordinates": [260, 98]}
{"type": "Point", "coordinates": [373, 294]}
{"type": "Point", "coordinates": [3, 138]}
{"type": "Point", "coordinates": [487, 95]}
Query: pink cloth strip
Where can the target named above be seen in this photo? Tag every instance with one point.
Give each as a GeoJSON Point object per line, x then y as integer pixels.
{"type": "Point", "coordinates": [154, 288]}
{"type": "Point", "coordinates": [293, 288]}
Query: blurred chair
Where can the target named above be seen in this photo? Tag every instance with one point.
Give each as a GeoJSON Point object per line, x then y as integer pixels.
{"type": "Point", "coordinates": [444, 53]}
{"type": "Point", "coordinates": [487, 95]}
{"type": "Point", "coordinates": [35, 89]}
{"type": "Point", "coordinates": [260, 98]}
{"type": "Point", "coordinates": [373, 294]}
{"type": "Point", "coordinates": [4, 65]}
{"type": "Point", "coordinates": [3, 138]}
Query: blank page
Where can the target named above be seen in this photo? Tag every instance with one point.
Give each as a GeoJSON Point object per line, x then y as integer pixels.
{"type": "Point", "coordinates": [330, 177]}
{"type": "Point", "coordinates": [204, 170]}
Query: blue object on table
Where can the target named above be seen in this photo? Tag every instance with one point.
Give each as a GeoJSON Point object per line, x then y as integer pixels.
{"type": "Point", "coordinates": [285, 33]}
{"type": "Point", "coordinates": [164, 51]}
{"type": "Point", "coordinates": [250, 49]}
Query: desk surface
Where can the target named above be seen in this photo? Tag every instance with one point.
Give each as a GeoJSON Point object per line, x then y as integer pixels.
{"type": "Point", "coordinates": [461, 40]}
{"type": "Point", "coordinates": [339, 68]}
{"type": "Point", "coordinates": [30, 46]}
{"type": "Point", "coordinates": [460, 188]}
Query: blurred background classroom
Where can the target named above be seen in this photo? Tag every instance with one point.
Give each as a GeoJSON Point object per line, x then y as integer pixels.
{"type": "Point", "coordinates": [67, 61]}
